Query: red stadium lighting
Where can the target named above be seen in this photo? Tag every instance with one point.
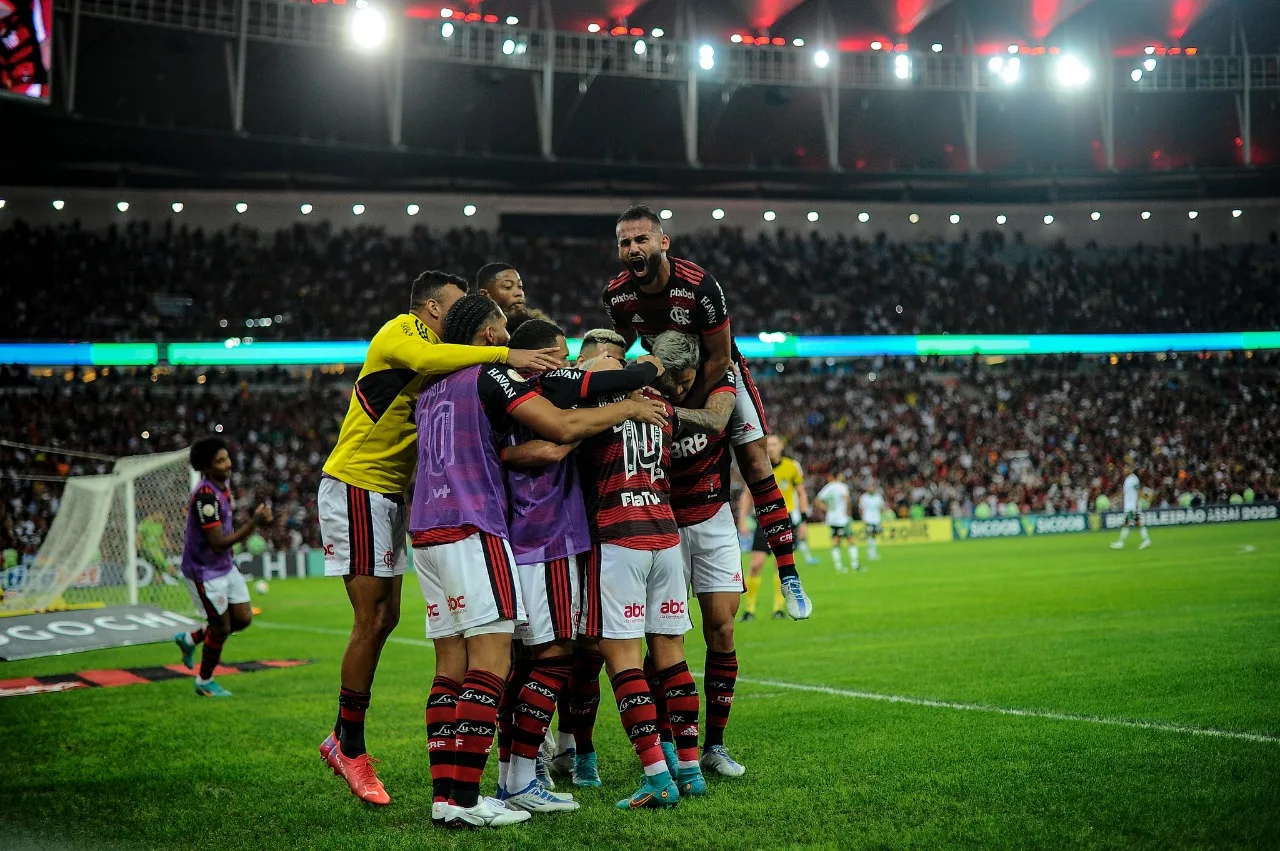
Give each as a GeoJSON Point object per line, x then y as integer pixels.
{"type": "Point", "coordinates": [472, 17]}
{"type": "Point", "coordinates": [1054, 51]}
{"type": "Point", "coordinates": [637, 31]}
{"type": "Point", "coordinates": [1192, 51]}
{"type": "Point", "coordinates": [778, 41]}
{"type": "Point", "coordinates": [1174, 51]}
{"type": "Point", "coordinates": [490, 19]}
{"type": "Point", "coordinates": [618, 31]}
{"type": "Point", "coordinates": [900, 48]}
{"type": "Point", "coordinates": [762, 39]}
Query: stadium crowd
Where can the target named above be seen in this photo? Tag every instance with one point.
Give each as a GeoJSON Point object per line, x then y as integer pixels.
{"type": "Point", "coordinates": [180, 283]}
{"type": "Point", "coordinates": [942, 437]}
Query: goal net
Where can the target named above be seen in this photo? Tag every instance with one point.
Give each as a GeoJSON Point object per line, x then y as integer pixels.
{"type": "Point", "coordinates": [117, 539]}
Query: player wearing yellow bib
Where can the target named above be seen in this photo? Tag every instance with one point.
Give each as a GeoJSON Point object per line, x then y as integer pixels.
{"type": "Point", "coordinates": [790, 480]}
{"type": "Point", "coordinates": [361, 501]}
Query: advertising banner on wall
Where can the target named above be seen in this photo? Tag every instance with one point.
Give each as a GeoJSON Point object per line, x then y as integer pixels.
{"type": "Point", "coordinates": [931, 530]}
{"type": "Point", "coordinates": [1243, 513]}
{"type": "Point", "coordinates": [1012, 527]}
{"type": "Point", "coordinates": [56, 633]}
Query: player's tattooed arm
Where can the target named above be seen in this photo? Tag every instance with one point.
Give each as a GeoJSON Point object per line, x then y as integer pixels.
{"type": "Point", "coordinates": [718, 349]}
{"type": "Point", "coordinates": [536, 453]}
{"type": "Point", "coordinates": [713, 418]}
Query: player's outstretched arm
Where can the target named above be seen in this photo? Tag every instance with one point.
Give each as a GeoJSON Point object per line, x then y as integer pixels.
{"type": "Point", "coordinates": [413, 351]}
{"type": "Point", "coordinates": [536, 453]}
{"type": "Point", "coordinates": [219, 542]}
{"type": "Point", "coordinates": [561, 426]}
{"type": "Point", "coordinates": [714, 417]}
{"type": "Point", "coordinates": [568, 387]}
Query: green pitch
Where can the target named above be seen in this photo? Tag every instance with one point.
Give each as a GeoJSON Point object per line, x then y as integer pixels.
{"type": "Point", "coordinates": [1183, 635]}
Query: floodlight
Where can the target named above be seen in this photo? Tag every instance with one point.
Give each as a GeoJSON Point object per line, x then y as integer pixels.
{"type": "Point", "coordinates": [954, 218]}
{"type": "Point", "coordinates": [412, 209]}
{"type": "Point", "coordinates": [1071, 72]}
{"type": "Point", "coordinates": [1149, 65]}
{"type": "Point", "coordinates": [706, 57]}
{"type": "Point", "coordinates": [864, 217]}
{"type": "Point", "coordinates": [122, 206]}
{"type": "Point", "coordinates": [508, 47]}
{"type": "Point", "coordinates": [717, 214]}
{"type": "Point", "coordinates": [446, 29]}
{"type": "Point", "coordinates": [593, 28]}
{"type": "Point", "coordinates": [1235, 214]}
{"type": "Point", "coordinates": [512, 20]}
{"type": "Point", "coordinates": [1001, 219]}
{"type": "Point", "coordinates": [664, 214]}
{"type": "Point", "coordinates": [812, 216]}
{"type": "Point", "coordinates": [306, 209]}
{"type": "Point", "coordinates": [797, 42]}
{"type": "Point", "coordinates": [1095, 215]}
{"type": "Point", "coordinates": [770, 215]}
{"type": "Point", "coordinates": [358, 209]}
{"type": "Point", "coordinates": [242, 207]}
{"type": "Point", "coordinates": [1135, 74]}
{"type": "Point", "coordinates": [657, 32]}
{"type": "Point", "coordinates": [368, 28]}
{"type": "Point", "coordinates": [902, 66]}
{"type": "Point", "coordinates": [640, 47]}
{"type": "Point", "coordinates": [176, 206]}
{"type": "Point", "coordinates": [821, 58]}
{"type": "Point", "coordinates": [469, 210]}
{"type": "Point", "coordinates": [1048, 220]}
{"type": "Point", "coordinates": [937, 48]}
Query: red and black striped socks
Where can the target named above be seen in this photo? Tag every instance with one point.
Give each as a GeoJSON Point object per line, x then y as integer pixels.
{"type": "Point", "coordinates": [771, 515]}
{"type": "Point", "coordinates": [477, 721]}
{"type": "Point", "coordinates": [659, 692]}
{"type": "Point", "coordinates": [532, 710]}
{"type": "Point", "coordinates": [639, 718]}
{"type": "Point", "coordinates": [718, 683]}
{"type": "Point", "coordinates": [682, 712]}
{"type": "Point", "coordinates": [442, 707]}
{"type": "Point", "coordinates": [210, 656]}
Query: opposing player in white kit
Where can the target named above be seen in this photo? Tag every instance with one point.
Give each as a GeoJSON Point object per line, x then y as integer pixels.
{"type": "Point", "coordinates": [834, 497]}
{"type": "Point", "coordinates": [1132, 515]}
{"type": "Point", "coordinates": [870, 505]}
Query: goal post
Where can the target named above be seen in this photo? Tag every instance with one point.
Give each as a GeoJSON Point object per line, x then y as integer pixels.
{"type": "Point", "coordinates": [117, 539]}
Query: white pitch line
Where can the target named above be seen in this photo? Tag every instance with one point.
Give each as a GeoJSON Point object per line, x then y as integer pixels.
{"type": "Point", "coordinates": [888, 698]}
{"type": "Point", "coordinates": [1246, 549]}
{"type": "Point", "coordinates": [1021, 713]}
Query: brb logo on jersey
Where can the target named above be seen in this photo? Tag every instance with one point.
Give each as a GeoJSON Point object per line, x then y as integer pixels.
{"type": "Point", "coordinates": [680, 315]}
{"type": "Point", "coordinates": [686, 447]}
{"type": "Point", "coordinates": [456, 604]}
{"type": "Point", "coordinates": [673, 608]}
{"type": "Point", "coordinates": [633, 611]}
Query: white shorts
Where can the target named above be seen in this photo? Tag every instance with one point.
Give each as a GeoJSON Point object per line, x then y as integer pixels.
{"type": "Point", "coordinates": [213, 596]}
{"type": "Point", "coordinates": [710, 554]}
{"type": "Point", "coordinates": [549, 591]}
{"type": "Point", "coordinates": [627, 593]}
{"type": "Point", "coordinates": [469, 586]}
{"type": "Point", "coordinates": [747, 423]}
{"type": "Point", "coordinates": [363, 531]}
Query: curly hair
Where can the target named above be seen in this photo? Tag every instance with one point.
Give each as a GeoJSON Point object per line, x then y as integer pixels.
{"type": "Point", "coordinates": [467, 316]}
{"type": "Point", "coordinates": [203, 452]}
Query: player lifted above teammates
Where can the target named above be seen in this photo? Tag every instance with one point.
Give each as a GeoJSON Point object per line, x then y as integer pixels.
{"type": "Point", "coordinates": [464, 560]}
{"type": "Point", "coordinates": [657, 293]}
{"type": "Point", "coordinates": [834, 499]}
{"type": "Point", "coordinates": [795, 500]}
{"type": "Point", "coordinates": [361, 498]}
{"type": "Point", "coordinates": [1132, 510]}
{"type": "Point", "coordinates": [208, 565]}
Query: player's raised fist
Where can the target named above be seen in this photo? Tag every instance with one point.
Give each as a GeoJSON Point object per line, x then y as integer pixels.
{"type": "Point", "coordinates": [535, 360]}
{"type": "Point", "coordinates": [262, 515]}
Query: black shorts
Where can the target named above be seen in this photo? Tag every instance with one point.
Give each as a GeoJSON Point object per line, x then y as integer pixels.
{"type": "Point", "coordinates": [873, 530]}
{"type": "Point", "coordinates": [1133, 518]}
{"type": "Point", "coordinates": [839, 533]}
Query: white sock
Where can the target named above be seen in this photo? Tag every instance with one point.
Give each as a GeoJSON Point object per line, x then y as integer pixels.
{"type": "Point", "coordinates": [565, 742]}
{"type": "Point", "coordinates": [1124, 533]}
{"type": "Point", "coordinates": [520, 774]}
{"type": "Point", "coordinates": [835, 556]}
{"type": "Point", "coordinates": [191, 637]}
{"type": "Point", "coordinates": [804, 548]}
{"type": "Point", "coordinates": [504, 769]}
{"type": "Point", "coordinates": [853, 556]}
{"type": "Point", "coordinates": [201, 681]}
{"type": "Point", "coordinates": [682, 764]}
{"type": "Point", "coordinates": [1142, 530]}
{"type": "Point", "coordinates": [871, 548]}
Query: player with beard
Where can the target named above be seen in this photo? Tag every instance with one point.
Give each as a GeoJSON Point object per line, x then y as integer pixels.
{"type": "Point", "coordinates": [657, 293]}
{"type": "Point", "coordinates": [462, 553]}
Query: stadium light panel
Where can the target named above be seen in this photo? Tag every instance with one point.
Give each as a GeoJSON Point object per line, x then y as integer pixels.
{"type": "Point", "coordinates": [864, 217]}
{"type": "Point", "coordinates": [1135, 74]}
{"type": "Point", "coordinates": [914, 218]}
{"type": "Point", "coordinates": [657, 32]}
{"type": "Point", "coordinates": [176, 206]}
{"type": "Point", "coordinates": [357, 209]}
{"type": "Point", "coordinates": [797, 42]}
{"type": "Point", "coordinates": [1146, 214]}
{"type": "Point", "coordinates": [1048, 220]}
{"type": "Point", "coordinates": [469, 210]}
{"type": "Point", "coordinates": [902, 66]}
{"type": "Point", "coordinates": [736, 38]}
{"type": "Point", "coordinates": [937, 47]}
{"type": "Point", "coordinates": [822, 58]}
{"type": "Point", "coordinates": [717, 214]}
{"type": "Point", "coordinates": [954, 218]}
{"type": "Point", "coordinates": [368, 28]}
{"type": "Point", "coordinates": [1001, 219]}
{"type": "Point", "coordinates": [1095, 215]}
{"type": "Point", "coordinates": [446, 29]}
{"type": "Point", "coordinates": [412, 209]}
{"type": "Point", "coordinates": [512, 20]}
{"type": "Point", "coordinates": [306, 209]}
{"type": "Point", "coordinates": [664, 214]}
{"type": "Point", "coordinates": [122, 206]}
{"type": "Point", "coordinates": [706, 57]}
{"type": "Point", "coordinates": [1072, 73]}
{"type": "Point", "coordinates": [508, 47]}
{"type": "Point", "coordinates": [812, 216]}
{"type": "Point", "coordinates": [770, 215]}
{"type": "Point", "coordinates": [593, 28]}
{"type": "Point", "coordinates": [1149, 65]}
{"type": "Point", "coordinates": [875, 45]}
{"type": "Point", "coordinates": [1149, 49]}
{"type": "Point", "coordinates": [640, 47]}
{"type": "Point", "coordinates": [1235, 214]}
{"type": "Point", "coordinates": [1013, 48]}
{"type": "Point", "coordinates": [242, 207]}
{"type": "Point", "coordinates": [446, 12]}
{"type": "Point", "coordinates": [59, 204]}
{"type": "Point", "coordinates": [1191, 214]}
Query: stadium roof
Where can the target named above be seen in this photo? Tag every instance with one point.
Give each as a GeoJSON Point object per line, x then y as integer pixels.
{"type": "Point", "coordinates": [155, 100]}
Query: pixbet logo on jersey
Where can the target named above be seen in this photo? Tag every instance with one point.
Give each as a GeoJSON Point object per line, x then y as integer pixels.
{"type": "Point", "coordinates": [633, 611]}
{"type": "Point", "coordinates": [672, 607]}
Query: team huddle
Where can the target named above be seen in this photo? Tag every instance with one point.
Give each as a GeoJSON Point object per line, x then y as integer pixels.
{"type": "Point", "coordinates": [559, 518]}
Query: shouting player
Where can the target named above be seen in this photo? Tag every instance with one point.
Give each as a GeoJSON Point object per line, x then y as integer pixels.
{"type": "Point", "coordinates": [209, 566]}
{"type": "Point", "coordinates": [834, 499]}
{"type": "Point", "coordinates": [463, 556]}
{"type": "Point", "coordinates": [1132, 512]}
{"type": "Point", "coordinates": [361, 498]}
{"type": "Point", "coordinates": [795, 500]}
{"type": "Point", "coordinates": [657, 293]}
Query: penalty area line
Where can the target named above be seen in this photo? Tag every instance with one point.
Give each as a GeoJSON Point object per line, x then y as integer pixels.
{"type": "Point", "coordinates": [1020, 713]}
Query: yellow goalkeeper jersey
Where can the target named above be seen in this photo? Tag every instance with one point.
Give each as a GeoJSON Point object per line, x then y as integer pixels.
{"type": "Point", "coordinates": [376, 447]}
{"type": "Point", "coordinates": [789, 477]}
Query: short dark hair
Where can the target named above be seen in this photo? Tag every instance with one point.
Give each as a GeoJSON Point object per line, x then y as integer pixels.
{"type": "Point", "coordinates": [639, 212]}
{"type": "Point", "coordinates": [535, 334]}
{"type": "Point", "coordinates": [203, 452]}
{"type": "Point", "coordinates": [467, 316]}
{"type": "Point", "coordinates": [430, 284]}
{"type": "Point", "coordinates": [489, 271]}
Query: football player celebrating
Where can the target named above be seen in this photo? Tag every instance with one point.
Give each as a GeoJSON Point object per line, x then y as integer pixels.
{"type": "Point", "coordinates": [656, 293]}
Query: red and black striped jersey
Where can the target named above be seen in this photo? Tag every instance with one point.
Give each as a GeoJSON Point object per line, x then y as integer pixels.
{"type": "Point", "coordinates": [700, 468]}
{"type": "Point", "coordinates": [626, 483]}
{"type": "Point", "coordinates": [693, 302]}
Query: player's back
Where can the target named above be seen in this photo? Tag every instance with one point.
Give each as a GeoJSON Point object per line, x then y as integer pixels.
{"type": "Point", "coordinates": [626, 482]}
{"type": "Point", "coordinates": [547, 514]}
